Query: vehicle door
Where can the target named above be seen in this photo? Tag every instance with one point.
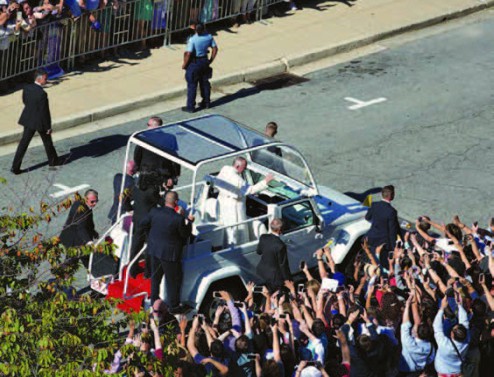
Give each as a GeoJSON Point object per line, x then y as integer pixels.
{"type": "Point", "coordinates": [300, 232]}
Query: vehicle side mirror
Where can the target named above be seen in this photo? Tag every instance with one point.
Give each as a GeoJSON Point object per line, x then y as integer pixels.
{"type": "Point", "coordinates": [319, 224]}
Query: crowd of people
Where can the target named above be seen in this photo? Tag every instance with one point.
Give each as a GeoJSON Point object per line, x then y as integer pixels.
{"type": "Point", "coordinates": [430, 313]}
{"type": "Point", "coordinates": [100, 25]}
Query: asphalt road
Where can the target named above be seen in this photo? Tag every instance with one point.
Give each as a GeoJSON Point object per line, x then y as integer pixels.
{"type": "Point", "coordinates": [430, 137]}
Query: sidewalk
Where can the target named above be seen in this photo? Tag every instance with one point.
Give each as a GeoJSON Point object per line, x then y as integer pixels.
{"type": "Point", "coordinates": [251, 52]}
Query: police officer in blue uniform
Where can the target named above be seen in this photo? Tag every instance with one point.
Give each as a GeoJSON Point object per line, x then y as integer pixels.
{"type": "Point", "coordinates": [197, 67]}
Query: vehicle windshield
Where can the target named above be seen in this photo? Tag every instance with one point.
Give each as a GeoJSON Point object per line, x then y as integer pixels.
{"type": "Point", "coordinates": [284, 160]}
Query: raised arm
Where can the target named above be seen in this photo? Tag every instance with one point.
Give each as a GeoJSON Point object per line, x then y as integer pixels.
{"type": "Point", "coordinates": [250, 294]}
{"type": "Point", "coordinates": [461, 225]}
{"type": "Point", "coordinates": [434, 276]}
{"type": "Point", "coordinates": [345, 349]}
{"type": "Point", "coordinates": [487, 292]}
{"type": "Point", "coordinates": [236, 322]}
{"type": "Point", "coordinates": [415, 312]}
{"type": "Point", "coordinates": [365, 247]}
{"type": "Point", "coordinates": [439, 227]}
{"type": "Point", "coordinates": [276, 344]}
{"type": "Point", "coordinates": [222, 368]}
{"type": "Point", "coordinates": [423, 234]}
{"type": "Point", "coordinates": [441, 339]}
{"type": "Point", "coordinates": [307, 273]}
{"type": "Point", "coordinates": [248, 328]}
{"type": "Point", "coordinates": [320, 264]}
{"type": "Point", "coordinates": [329, 258]}
{"type": "Point", "coordinates": [190, 341]}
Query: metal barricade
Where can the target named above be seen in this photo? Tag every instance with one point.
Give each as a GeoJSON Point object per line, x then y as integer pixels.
{"type": "Point", "coordinates": [66, 39]}
{"type": "Point", "coordinates": [42, 46]}
{"type": "Point", "coordinates": [119, 23]}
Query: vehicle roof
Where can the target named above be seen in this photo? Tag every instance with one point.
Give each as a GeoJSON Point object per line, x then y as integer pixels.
{"type": "Point", "coordinates": [197, 140]}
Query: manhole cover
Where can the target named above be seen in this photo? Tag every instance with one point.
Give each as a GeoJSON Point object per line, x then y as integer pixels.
{"type": "Point", "coordinates": [279, 81]}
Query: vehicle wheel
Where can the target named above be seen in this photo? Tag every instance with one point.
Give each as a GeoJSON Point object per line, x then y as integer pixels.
{"type": "Point", "coordinates": [233, 285]}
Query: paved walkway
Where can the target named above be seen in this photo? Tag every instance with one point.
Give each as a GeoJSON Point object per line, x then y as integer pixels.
{"type": "Point", "coordinates": [249, 52]}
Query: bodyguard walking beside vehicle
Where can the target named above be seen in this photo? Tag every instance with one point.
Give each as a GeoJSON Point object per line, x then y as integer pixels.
{"type": "Point", "coordinates": [197, 67]}
{"type": "Point", "coordinates": [35, 118]}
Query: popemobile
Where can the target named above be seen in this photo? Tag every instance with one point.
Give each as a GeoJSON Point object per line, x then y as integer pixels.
{"type": "Point", "coordinates": [312, 214]}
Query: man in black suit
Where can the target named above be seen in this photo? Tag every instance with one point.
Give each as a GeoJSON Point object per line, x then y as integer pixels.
{"type": "Point", "coordinates": [79, 226]}
{"type": "Point", "coordinates": [35, 118]}
{"type": "Point", "coordinates": [168, 233]}
{"type": "Point", "coordinates": [385, 226]}
{"type": "Point", "coordinates": [146, 196]}
{"type": "Point", "coordinates": [273, 267]}
{"type": "Point", "coordinates": [148, 161]}
{"type": "Point", "coordinates": [126, 199]}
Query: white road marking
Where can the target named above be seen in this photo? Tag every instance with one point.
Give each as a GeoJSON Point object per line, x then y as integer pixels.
{"type": "Point", "coordinates": [360, 104]}
{"type": "Point", "coordinates": [66, 190]}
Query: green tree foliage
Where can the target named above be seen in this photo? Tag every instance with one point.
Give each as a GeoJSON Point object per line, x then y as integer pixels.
{"type": "Point", "coordinates": [46, 329]}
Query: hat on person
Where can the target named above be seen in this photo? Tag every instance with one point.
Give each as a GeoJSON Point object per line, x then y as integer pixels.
{"type": "Point", "coordinates": [340, 277]}
{"type": "Point", "coordinates": [3, 2]}
{"type": "Point", "coordinates": [372, 270]}
{"type": "Point", "coordinates": [311, 371]}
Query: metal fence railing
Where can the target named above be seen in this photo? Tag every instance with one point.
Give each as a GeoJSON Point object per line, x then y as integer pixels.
{"type": "Point", "coordinates": [59, 42]}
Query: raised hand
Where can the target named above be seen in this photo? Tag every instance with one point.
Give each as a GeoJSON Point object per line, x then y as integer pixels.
{"type": "Point", "coordinates": [444, 302]}
{"type": "Point", "coordinates": [225, 295]}
{"type": "Point", "coordinates": [250, 287]}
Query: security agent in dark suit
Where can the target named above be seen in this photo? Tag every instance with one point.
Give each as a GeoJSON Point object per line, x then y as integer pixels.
{"type": "Point", "coordinates": [146, 196]}
{"type": "Point", "coordinates": [146, 160]}
{"type": "Point", "coordinates": [126, 199]}
{"type": "Point", "coordinates": [35, 118]}
{"type": "Point", "coordinates": [273, 268]}
{"type": "Point", "coordinates": [385, 226]}
{"type": "Point", "coordinates": [79, 226]}
{"type": "Point", "coordinates": [167, 234]}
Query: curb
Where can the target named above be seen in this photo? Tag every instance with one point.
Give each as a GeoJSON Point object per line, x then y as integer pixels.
{"type": "Point", "coordinates": [262, 71]}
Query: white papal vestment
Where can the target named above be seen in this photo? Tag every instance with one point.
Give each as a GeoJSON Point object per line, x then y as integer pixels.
{"type": "Point", "coordinates": [231, 199]}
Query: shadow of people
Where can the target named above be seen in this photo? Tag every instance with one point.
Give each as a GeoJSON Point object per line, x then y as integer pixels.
{"type": "Point", "coordinates": [315, 4]}
{"type": "Point", "coordinates": [271, 83]}
{"type": "Point", "coordinates": [242, 93]}
{"type": "Point", "coordinates": [360, 197]}
{"type": "Point", "coordinates": [348, 3]}
{"type": "Point", "coordinates": [95, 148]}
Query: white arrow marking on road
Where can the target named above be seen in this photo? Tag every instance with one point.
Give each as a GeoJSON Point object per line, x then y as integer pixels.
{"type": "Point", "coordinates": [360, 104]}
{"type": "Point", "coordinates": [66, 190]}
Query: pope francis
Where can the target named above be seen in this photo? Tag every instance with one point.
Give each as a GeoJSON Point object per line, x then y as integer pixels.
{"type": "Point", "coordinates": [233, 189]}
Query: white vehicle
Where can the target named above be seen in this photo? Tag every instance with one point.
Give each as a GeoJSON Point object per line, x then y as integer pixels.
{"type": "Point", "coordinates": [312, 214]}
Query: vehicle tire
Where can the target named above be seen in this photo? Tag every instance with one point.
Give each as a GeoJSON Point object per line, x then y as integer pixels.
{"type": "Point", "coordinates": [233, 285]}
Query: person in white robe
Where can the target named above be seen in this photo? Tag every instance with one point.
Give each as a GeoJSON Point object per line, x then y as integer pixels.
{"type": "Point", "coordinates": [233, 190]}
